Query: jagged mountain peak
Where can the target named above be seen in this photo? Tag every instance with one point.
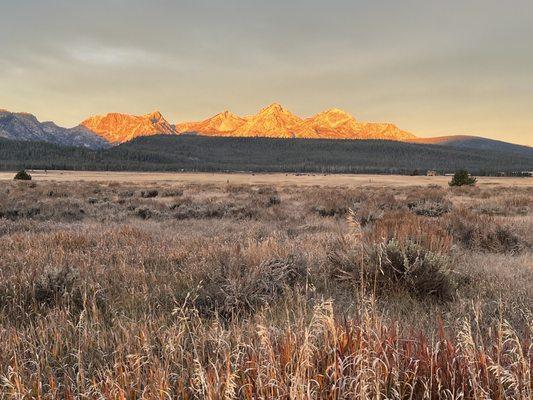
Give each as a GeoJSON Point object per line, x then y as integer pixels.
{"type": "Point", "coordinates": [273, 121]}
{"type": "Point", "coordinates": [274, 108]}
{"type": "Point", "coordinates": [155, 116]}
{"type": "Point", "coordinates": [226, 114]}
{"type": "Point", "coordinates": [119, 128]}
{"type": "Point", "coordinates": [221, 123]}
{"type": "Point", "coordinates": [332, 117]}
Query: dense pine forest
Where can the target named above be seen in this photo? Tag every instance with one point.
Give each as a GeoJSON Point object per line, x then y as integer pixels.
{"type": "Point", "coordinates": [200, 153]}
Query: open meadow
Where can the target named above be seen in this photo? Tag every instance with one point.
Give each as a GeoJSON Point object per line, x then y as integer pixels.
{"type": "Point", "coordinates": [265, 286]}
{"type": "Point", "coordinates": [278, 179]}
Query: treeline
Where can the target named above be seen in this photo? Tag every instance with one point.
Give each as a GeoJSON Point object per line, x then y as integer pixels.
{"type": "Point", "coordinates": [210, 154]}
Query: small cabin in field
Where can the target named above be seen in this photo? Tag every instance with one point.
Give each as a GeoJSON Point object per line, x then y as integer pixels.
{"type": "Point", "coordinates": [431, 173]}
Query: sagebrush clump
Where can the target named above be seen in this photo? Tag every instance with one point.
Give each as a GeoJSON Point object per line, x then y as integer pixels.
{"type": "Point", "coordinates": [409, 266]}
{"type": "Point", "coordinates": [485, 233]}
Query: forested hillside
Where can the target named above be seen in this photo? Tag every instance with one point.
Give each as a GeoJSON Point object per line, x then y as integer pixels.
{"type": "Point", "coordinates": [199, 153]}
{"type": "Point", "coordinates": [476, 143]}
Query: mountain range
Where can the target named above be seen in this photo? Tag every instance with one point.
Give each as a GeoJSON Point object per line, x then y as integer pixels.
{"type": "Point", "coordinates": [274, 121]}
{"type": "Point", "coordinates": [26, 127]}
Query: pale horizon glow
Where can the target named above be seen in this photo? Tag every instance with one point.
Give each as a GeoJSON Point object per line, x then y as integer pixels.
{"type": "Point", "coordinates": [432, 68]}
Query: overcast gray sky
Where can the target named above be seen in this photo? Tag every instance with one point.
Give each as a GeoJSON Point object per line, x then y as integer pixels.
{"type": "Point", "coordinates": [431, 67]}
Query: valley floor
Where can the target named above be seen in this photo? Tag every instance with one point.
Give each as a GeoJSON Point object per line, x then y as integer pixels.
{"type": "Point", "coordinates": [283, 179]}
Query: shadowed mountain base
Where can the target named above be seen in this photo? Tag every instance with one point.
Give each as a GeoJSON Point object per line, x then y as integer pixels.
{"type": "Point", "coordinates": [200, 153]}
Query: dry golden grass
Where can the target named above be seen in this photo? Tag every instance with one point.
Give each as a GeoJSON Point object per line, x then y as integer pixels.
{"type": "Point", "coordinates": [284, 179]}
{"type": "Point", "coordinates": [236, 291]}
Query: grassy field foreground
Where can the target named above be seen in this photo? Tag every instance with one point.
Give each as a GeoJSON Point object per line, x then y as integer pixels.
{"type": "Point", "coordinates": [225, 291]}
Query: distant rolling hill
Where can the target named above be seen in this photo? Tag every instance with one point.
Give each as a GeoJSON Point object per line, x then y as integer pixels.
{"type": "Point", "coordinates": [475, 142]}
{"type": "Point", "coordinates": [203, 153]}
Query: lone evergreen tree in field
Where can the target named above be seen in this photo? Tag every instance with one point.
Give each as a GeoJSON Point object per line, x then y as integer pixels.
{"type": "Point", "coordinates": [461, 178]}
{"type": "Point", "coordinates": [22, 175]}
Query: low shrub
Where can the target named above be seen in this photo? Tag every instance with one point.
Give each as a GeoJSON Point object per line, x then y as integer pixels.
{"type": "Point", "coordinates": [331, 211]}
{"type": "Point", "coordinates": [274, 200]}
{"type": "Point", "coordinates": [335, 202]}
{"type": "Point", "coordinates": [126, 193]}
{"type": "Point", "coordinates": [409, 266]}
{"type": "Point", "coordinates": [428, 202]}
{"type": "Point", "coordinates": [56, 286]}
{"type": "Point", "coordinates": [22, 175]}
{"type": "Point", "coordinates": [189, 209]}
{"type": "Point", "coordinates": [58, 194]}
{"type": "Point", "coordinates": [144, 212]}
{"type": "Point", "coordinates": [393, 265]}
{"type": "Point", "coordinates": [267, 190]}
{"type": "Point", "coordinates": [234, 287]}
{"type": "Point", "coordinates": [238, 188]}
{"type": "Point", "coordinates": [147, 194]}
{"type": "Point", "coordinates": [482, 232]}
{"type": "Point", "coordinates": [172, 193]}
{"type": "Point", "coordinates": [430, 208]}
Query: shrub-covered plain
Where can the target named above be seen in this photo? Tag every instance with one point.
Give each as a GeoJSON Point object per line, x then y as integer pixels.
{"type": "Point", "coordinates": [116, 290]}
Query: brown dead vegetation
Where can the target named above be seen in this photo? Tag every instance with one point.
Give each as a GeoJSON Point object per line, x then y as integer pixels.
{"type": "Point", "coordinates": [227, 291]}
